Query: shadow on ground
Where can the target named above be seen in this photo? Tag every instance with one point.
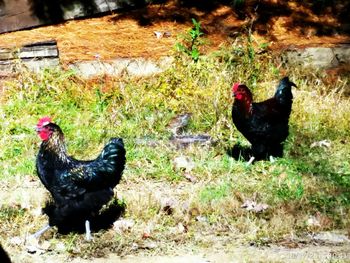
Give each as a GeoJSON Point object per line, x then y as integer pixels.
{"type": "Point", "coordinates": [101, 221]}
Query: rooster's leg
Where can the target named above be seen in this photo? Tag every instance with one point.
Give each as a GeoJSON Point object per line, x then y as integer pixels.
{"type": "Point", "coordinates": [251, 160]}
{"type": "Point", "coordinates": [41, 231]}
{"type": "Point", "coordinates": [88, 230]}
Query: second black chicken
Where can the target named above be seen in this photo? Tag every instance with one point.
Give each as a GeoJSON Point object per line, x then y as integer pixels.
{"type": "Point", "coordinates": [264, 124]}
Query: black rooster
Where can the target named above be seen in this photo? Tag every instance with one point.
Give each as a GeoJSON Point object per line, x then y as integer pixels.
{"type": "Point", "coordinates": [79, 189]}
{"type": "Point", "coordinates": [264, 124]}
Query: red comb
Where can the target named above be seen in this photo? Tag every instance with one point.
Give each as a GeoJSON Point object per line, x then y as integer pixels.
{"type": "Point", "coordinates": [43, 121]}
{"type": "Point", "coordinates": [235, 86]}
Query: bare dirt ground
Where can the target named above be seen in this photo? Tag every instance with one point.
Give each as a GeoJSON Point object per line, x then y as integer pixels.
{"type": "Point", "coordinates": [30, 195]}
{"type": "Point", "coordinates": [236, 254]}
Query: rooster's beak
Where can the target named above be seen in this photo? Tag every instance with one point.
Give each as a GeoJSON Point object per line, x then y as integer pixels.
{"type": "Point", "coordinates": [37, 129]}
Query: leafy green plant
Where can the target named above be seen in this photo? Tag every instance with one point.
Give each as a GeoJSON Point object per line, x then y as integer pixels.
{"type": "Point", "coordinates": [237, 3]}
{"type": "Point", "coordinates": [191, 41]}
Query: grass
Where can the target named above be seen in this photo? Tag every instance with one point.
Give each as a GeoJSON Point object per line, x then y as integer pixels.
{"type": "Point", "coordinates": [305, 182]}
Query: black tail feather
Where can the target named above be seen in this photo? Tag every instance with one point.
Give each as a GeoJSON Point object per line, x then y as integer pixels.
{"type": "Point", "coordinates": [284, 91]}
{"type": "Point", "coordinates": [113, 160]}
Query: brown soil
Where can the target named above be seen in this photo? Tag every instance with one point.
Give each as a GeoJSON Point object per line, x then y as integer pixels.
{"type": "Point", "coordinates": [310, 253]}
{"type": "Point", "coordinates": [131, 33]}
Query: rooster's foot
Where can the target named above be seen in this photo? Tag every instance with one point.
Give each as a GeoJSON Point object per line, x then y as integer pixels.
{"type": "Point", "coordinates": [40, 232]}
{"type": "Point", "coordinates": [251, 160]}
{"type": "Point", "coordinates": [88, 236]}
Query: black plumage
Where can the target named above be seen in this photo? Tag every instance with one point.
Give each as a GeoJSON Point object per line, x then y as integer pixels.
{"type": "Point", "coordinates": [264, 124]}
{"type": "Point", "coordinates": [4, 257]}
{"type": "Point", "coordinates": [79, 189]}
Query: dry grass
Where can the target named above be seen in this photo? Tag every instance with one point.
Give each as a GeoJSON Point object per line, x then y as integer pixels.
{"type": "Point", "coordinates": [85, 39]}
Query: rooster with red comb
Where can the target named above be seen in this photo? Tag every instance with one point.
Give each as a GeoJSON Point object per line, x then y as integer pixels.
{"type": "Point", "coordinates": [264, 124]}
{"type": "Point", "coordinates": [79, 189]}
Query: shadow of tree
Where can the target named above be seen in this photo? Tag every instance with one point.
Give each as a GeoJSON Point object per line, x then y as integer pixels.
{"type": "Point", "coordinates": [302, 17]}
{"type": "Point", "coordinates": [52, 11]}
{"type": "Point", "coordinates": [2, 8]}
{"type": "Point", "coordinates": [179, 11]}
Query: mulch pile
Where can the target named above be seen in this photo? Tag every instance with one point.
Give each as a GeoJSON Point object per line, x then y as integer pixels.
{"type": "Point", "coordinates": [132, 33]}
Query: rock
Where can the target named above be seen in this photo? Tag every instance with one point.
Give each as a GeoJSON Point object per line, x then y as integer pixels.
{"type": "Point", "coordinates": [323, 143]}
{"type": "Point", "coordinates": [183, 163]}
{"type": "Point", "coordinates": [178, 123]}
{"type": "Point", "coordinates": [148, 245]}
{"type": "Point", "coordinates": [318, 57]}
{"type": "Point", "coordinates": [331, 238]}
{"type": "Point", "coordinates": [251, 205]}
{"type": "Point", "coordinates": [123, 225]}
{"type": "Point", "coordinates": [185, 140]}
{"type": "Point", "coordinates": [178, 229]}
{"type": "Point", "coordinates": [35, 57]}
{"type": "Point", "coordinates": [136, 67]}
{"type": "Point", "coordinates": [202, 219]}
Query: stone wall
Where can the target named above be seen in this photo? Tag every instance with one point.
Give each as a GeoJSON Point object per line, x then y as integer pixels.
{"type": "Point", "coordinates": [318, 57]}
{"type": "Point", "coordinates": [35, 57]}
